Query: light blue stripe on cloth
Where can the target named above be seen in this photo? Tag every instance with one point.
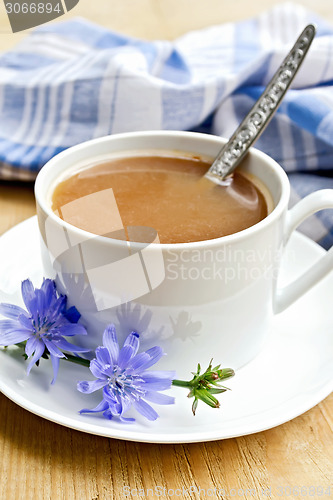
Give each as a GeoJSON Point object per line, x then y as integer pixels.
{"type": "Point", "coordinates": [73, 81]}
{"type": "Point", "coordinates": [246, 44]}
{"type": "Point", "coordinates": [317, 228]}
{"type": "Point", "coordinates": [181, 108]}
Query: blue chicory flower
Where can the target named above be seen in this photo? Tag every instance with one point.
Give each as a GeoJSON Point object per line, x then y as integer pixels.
{"type": "Point", "coordinates": [43, 325]}
{"type": "Point", "coordinates": [124, 376]}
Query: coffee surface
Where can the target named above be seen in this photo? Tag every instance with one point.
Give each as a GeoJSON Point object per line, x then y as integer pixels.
{"type": "Point", "coordinates": [165, 193]}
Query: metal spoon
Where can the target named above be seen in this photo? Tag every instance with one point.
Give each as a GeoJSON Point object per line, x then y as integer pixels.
{"type": "Point", "coordinates": [256, 120]}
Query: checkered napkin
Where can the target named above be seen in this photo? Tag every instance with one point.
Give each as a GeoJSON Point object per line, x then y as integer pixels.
{"type": "Point", "coordinates": [73, 81]}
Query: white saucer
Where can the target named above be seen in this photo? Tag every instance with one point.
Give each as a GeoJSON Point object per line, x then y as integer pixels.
{"type": "Point", "coordinates": [293, 373]}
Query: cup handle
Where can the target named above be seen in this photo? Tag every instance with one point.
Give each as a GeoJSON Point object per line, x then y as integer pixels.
{"type": "Point", "coordinates": [312, 203]}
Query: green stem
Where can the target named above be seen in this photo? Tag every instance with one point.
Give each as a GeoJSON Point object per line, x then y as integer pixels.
{"type": "Point", "coordinates": [78, 361]}
{"type": "Point", "coordinates": [21, 344]}
{"type": "Point", "coordinates": [86, 363]}
{"type": "Point", "coordinates": [69, 357]}
{"type": "Point", "coordinates": [181, 383]}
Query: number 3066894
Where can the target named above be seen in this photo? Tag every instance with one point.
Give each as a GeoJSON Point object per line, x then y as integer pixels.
{"type": "Point", "coordinates": [32, 8]}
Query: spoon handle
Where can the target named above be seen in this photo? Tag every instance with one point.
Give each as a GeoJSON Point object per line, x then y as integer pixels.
{"type": "Point", "coordinates": [256, 120]}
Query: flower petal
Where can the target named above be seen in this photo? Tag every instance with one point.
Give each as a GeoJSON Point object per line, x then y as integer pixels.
{"type": "Point", "coordinates": [72, 314]}
{"type": "Point", "coordinates": [160, 374]}
{"type": "Point", "coordinates": [67, 346]}
{"type": "Point", "coordinates": [28, 294]}
{"type": "Point", "coordinates": [88, 387]}
{"type": "Point", "coordinates": [55, 365]}
{"type": "Point", "coordinates": [8, 324]}
{"type": "Point", "coordinates": [97, 369]}
{"type": "Point", "coordinates": [110, 396]}
{"type": "Point", "coordinates": [41, 304]}
{"type": "Point", "coordinates": [156, 383]}
{"type": "Point", "coordinates": [103, 356]}
{"type": "Point", "coordinates": [40, 348]}
{"type": "Point", "coordinates": [58, 307]}
{"type": "Point", "coordinates": [145, 409]}
{"type": "Point", "coordinates": [125, 355]}
{"type": "Point", "coordinates": [133, 340]}
{"type": "Point", "coordinates": [49, 289]}
{"type": "Point", "coordinates": [152, 356]}
{"type": "Point", "coordinates": [53, 349]}
{"type": "Point", "coordinates": [118, 404]}
{"type": "Point", "coordinates": [26, 322]}
{"type": "Point", "coordinates": [11, 311]}
{"type": "Point", "coordinates": [137, 362]}
{"type": "Point", "coordinates": [108, 414]}
{"type": "Point", "coordinates": [71, 329]}
{"type": "Point", "coordinates": [125, 402]}
{"type": "Point", "coordinates": [127, 419]}
{"type": "Point", "coordinates": [31, 346]}
{"type": "Point", "coordinates": [102, 406]}
{"type": "Point", "coordinates": [115, 409]}
{"type": "Point", "coordinates": [110, 341]}
{"type": "Point", "coordinates": [14, 337]}
{"type": "Point", "coordinates": [158, 398]}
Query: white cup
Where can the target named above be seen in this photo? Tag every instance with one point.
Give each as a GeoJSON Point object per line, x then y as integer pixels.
{"type": "Point", "coordinates": [200, 300]}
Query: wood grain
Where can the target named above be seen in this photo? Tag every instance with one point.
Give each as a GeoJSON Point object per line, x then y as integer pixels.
{"type": "Point", "coordinates": [41, 460]}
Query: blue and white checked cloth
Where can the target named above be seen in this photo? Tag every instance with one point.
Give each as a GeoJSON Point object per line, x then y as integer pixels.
{"type": "Point", "coordinates": [72, 81]}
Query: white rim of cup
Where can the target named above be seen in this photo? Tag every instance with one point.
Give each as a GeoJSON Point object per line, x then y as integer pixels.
{"type": "Point", "coordinates": [41, 189]}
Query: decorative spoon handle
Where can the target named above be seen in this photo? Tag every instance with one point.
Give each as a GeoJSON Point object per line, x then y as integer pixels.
{"type": "Point", "coordinates": [256, 120]}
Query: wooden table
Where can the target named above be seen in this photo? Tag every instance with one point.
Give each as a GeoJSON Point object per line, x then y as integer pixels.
{"type": "Point", "coordinates": [41, 460]}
